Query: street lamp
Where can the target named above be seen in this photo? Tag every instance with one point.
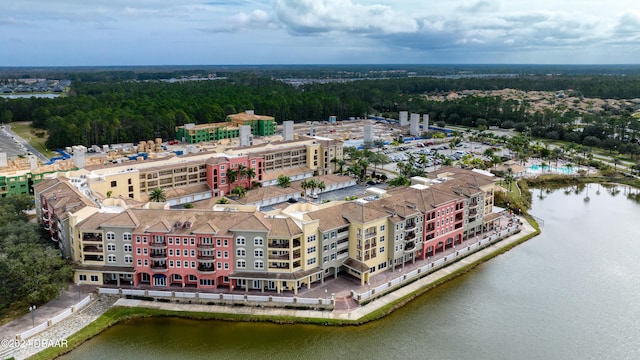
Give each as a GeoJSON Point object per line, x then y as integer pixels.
{"type": "Point", "coordinates": [32, 309]}
{"type": "Point", "coordinates": [78, 290]}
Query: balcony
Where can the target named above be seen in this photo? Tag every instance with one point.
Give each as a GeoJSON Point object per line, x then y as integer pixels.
{"type": "Point", "coordinates": [367, 235]}
{"type": "Point", "coordinates": [159, 267]}
{"type": "Point", "coordinates": [158, 255]}
{"type": "Point", "coordinates": [47, 226]}
{"type": "Point", "coordinates": [93, 258]}
{"type": "Point", "coordinates": [409, 247]}
{"type": "Point", "coordinates": [92, 237]}
{"type": "Point", "coordinates": [206, 269]}
{"type": "Point", "coordinates": [93, 249]}
{"type": "Point", "coordinates": [279, 245]}
{"type": "Point", "coordinates": [279, 257]}
{"type": "Point", "coordinates": [205, 246]}
{"type": "Point", "coordinates": [279, 266]}
{"type": "Point", "coordinates": [158, 245]}
{"type": "Point", "coordinates": [206, 258]}
{"type": "Point", "coordinates": [410, 225]}
{"type": "Point", "coordinates": [410, 236]}
{"type": "Point", "coordinates": [45, 216]}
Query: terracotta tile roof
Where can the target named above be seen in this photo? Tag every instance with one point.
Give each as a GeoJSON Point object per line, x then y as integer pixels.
{"type": "Point", "coordinates": [285, 227]}
{"type": "Point", "coordinates": [329, 218]}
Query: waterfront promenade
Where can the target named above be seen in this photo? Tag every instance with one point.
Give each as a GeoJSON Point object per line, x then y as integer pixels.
{"type": "Point", "coordinates": [346, 308]}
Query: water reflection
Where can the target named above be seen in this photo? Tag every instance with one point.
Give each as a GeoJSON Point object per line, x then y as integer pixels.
{"type": "Point", "coordinates": [570, 293]}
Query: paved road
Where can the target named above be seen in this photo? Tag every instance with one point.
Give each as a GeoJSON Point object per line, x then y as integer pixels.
{"type": "Point", "coordinates": [20, 147]}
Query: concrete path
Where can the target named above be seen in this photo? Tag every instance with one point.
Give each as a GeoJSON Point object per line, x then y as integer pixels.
{"type": "Point", "coordinates": [346, 308]}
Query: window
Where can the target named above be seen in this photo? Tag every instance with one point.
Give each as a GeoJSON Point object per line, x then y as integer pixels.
{"type": "Point", "coordinates": [325, 236]}
{"type": "Point", "coordinates": [311, 261]}
{"type": "Point", "coordinates": [111, 247]}
{"type": "Point", "coordinates": [193, 241]}
{"type": "Point", "coordinates": [240, 240]}
{"type": "Point", "coordinates": [226, 266]}
{"type": "Point", "coordinates": [193, 264]}
{"type": "Point", "coordinates": [219, 253]}
{"type": "Point", "coordinates": [325, 259]}
{"type": "Point", "coordinates": [139, 262]}
{"type": "Point", "coordinates": [128, 259]}
{"type": "Point", "coordinates": [382, 238]}
{"type": "Point", "coordinates": [226, 242]}
{"type": "Point", "coordinates": [381, 249]}
{"type": "Point", "coordinates": [311, 250]}
{"type": "Point", "coordinates": [185, 241]}
{"type": "Point", "coordinates": [82, 277]}
{"type": "Point", "coordinates": [170, 252]}
{"type": "Point", "coordinates": [226, 254]}
{"type": "Point", "coordinates": [111, 258]}
{"type": "Point", "coordinates": [114, 183]}
{"type": "Point", "coordinates": [146, 262]}
{"type": "Point", "coordinates": [325, 248]}
{"type": "Point", "coordinates": [217, 242]}
{"type": "Point", "coordinates": [193, 253]}
{"type": "Point", "coordinates": [311, 238]}
{"type": "Point", "coordinates": [170, 241]}
{"type": "Point", "coordinates": [241, 264]}
{"type": "Point", "coordinates": [94, 278]}
{"type": "Point", "coordinates": [219, 266]}
{"type": "Point", "coordinates": [258, 264]}
{"type": "Point", "coordinates": [178, 263]}
{"type": "Point", "coordinates": [138, 251]}
{"type": "Point", "coordinates": [111, 235]}
{"type": "Point", "coordinates": [170, 263]}
{"type": "Point", "coordinates": [177, 252]}
{"type": "Point", "coordinates": [127, 247]}
{"type": "Point", "coordinates": [126, 236]}
{"type": "Point", "coordinates": [137, 239]}
{"type": "Point", "coordinates": [240, 252]}
{"type": "Point", "coordinates": [381, 227]}
{"type": "Point", "coordinates": [258, 253]}
{"type": "Point", "coordinates": [258, 241]}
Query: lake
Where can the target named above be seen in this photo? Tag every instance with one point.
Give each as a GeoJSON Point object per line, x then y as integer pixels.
{"type": "Point", "coordinates": [570, 293]}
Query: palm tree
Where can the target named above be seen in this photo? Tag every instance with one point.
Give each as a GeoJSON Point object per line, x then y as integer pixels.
{"type": "Point", "coordinates": [222, 201]}
{"type": "Point", "coordinates": [157, 195]}
{"type": "Point", "coordinates": [284, 181]}
{"type": "Point", "coordinates": [341, 164]}
{"type": "Point", "coordinates": [250, 173]}
{"type": "Point", "coordinates": [232, 176]}
{"type": "Point", "coordinates": [321, 186]}
{"type": "Point", "coordinates": [239, 190]}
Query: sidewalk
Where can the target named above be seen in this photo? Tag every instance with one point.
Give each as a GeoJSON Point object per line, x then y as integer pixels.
{"type": "Point", "coordinates": [345, 309]}
{"type": "Point", "coordinates": [352, 312]}
{"type": "Point", "coordinates": [45, 312]}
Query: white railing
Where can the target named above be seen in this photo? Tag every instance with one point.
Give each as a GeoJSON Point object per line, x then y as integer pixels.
{"type": "Point", "coordinates": [221, 297]}
{"type": "Point", "coordinates": [426, 269]}
{"type": "Point", "coordinates": [54, 320]}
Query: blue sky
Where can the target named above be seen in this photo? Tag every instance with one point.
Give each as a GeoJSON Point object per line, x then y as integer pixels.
{"type": "Point", "coordinates": [185, 32]}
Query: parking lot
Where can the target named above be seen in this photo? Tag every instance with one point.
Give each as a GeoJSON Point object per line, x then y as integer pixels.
{"type": "Point", "coordinates": [11, 144]}
{"type": "Point", "coordinates": [425, 152]}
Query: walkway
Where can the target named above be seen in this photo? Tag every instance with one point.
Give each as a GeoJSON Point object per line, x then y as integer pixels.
{"type": "Point", "coordinates": [346, 308]}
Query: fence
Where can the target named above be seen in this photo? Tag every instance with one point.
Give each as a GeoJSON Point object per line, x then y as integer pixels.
{"type": "Point", "coordinates": [221, 298]}
{"type": "Point", "coordinates": [428, 268]}
{"type": "Point", "coordinates": [54, 320]}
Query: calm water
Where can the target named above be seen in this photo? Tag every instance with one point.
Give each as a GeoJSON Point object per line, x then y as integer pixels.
{"type": "Point", "coordinates": [562, 170]}
{"type": "Point", "coordinates": [29, 95]}
{"type": "Point", "coordinates": [571, 293]}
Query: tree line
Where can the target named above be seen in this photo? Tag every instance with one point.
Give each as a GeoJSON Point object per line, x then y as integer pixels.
{"type": "Point", "coordinates": [108, 112]}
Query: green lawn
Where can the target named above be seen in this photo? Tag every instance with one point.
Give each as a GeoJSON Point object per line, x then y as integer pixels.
{"type": "Point", "coordinates": [25, 131]}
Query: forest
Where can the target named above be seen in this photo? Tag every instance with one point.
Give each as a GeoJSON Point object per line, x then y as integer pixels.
{"type": "Point", "coordinates": [32, 272]}
{"type": "Point", "coordinates": [116, 111]}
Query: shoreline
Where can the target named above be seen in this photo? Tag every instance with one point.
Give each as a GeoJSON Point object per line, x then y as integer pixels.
{"type": "Point", "coordinates": [128, 309]}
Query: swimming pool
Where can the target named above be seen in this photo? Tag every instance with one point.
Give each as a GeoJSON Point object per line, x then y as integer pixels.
{"type": "Point", "coordinates": [562, 170]}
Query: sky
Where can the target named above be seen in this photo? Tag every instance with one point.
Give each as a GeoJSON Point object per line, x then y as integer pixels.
{"type": "Point", "coordinates": [263, 32]}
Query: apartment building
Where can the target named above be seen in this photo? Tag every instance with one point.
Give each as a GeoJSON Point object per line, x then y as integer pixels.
{"type": "Point", "coordinates": [238, 247]}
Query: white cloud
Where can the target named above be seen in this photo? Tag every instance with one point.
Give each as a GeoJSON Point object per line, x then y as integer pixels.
{"type": "Point", "coordinates": [324, 16]}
